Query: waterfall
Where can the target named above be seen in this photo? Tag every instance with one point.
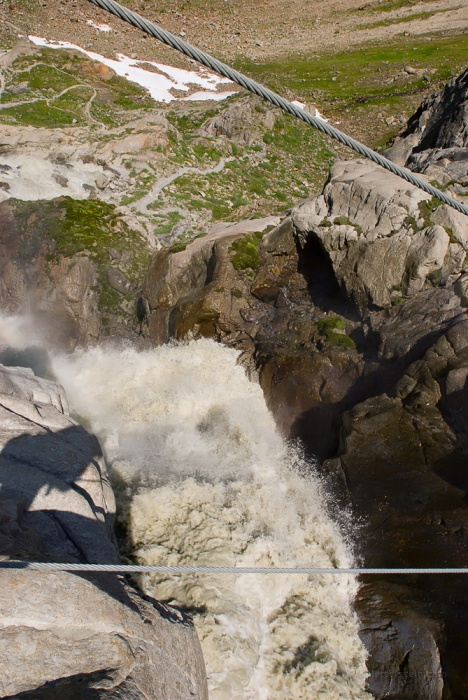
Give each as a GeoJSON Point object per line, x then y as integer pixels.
{"type": "Point", "coordinates": [203, 477]}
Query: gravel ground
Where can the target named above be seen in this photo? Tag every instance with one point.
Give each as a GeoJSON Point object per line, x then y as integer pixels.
{"type": "Point", "coordinates": [260, 30]}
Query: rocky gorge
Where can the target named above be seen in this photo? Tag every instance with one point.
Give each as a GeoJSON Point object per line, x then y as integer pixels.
{"type": "Point", "coordinates": [352, 313]}
{"type": "Point", "coordinates": [348, 308]}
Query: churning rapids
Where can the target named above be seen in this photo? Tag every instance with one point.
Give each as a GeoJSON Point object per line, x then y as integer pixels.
{"type": "Point", "coordinates": [203, 477]}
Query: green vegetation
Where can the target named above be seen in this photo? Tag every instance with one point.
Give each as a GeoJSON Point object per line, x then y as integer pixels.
{"type": "Point", "coordinates": [396, 5]}
{"type": "Point", "coordinates": [145, 180]}
{"type": "Point", "coordinates": [426, 208]}
{"type": "Point", "coordinates": [293, 163]}
{"type": "Point", "coordinates": [170, 219]}
{"type": "Point", "coordinates": [89, 226]}
{"type": "Point", "coordinates": [435, 277]}
{"type": "Point", "coordinates": [60, 85]}
{"type": "Point", "coordinates": [182, 244]}
{"type": "Point", "coordinates": [402, 20]}
{"type": "Point", "coordinates": [344, 221]}
{"type": "Point", "coordinates": [188, 123]}
{"type": "Point", "coordinates": [37, 114]}
{"type": "Point", "coordinates": [353, 77]}
{"type": "Point", "coordinates": [47, 77]}
{"type": "Point", "coordinates": [329, 328]}
{"type": "Point", "coordinates": [246, 251]}
{"type": "Point", "coordinates": [411, 222]}
{"type": "Point", "coordinates": [179, 246]}
{"type": "Point", "coordinates": [450, 234]}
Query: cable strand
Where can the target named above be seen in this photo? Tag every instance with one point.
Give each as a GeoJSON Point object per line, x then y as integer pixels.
{"type": "Point", "coordinates": [226, 71]}
{"type": "Point", "coordinates": [239, 570]}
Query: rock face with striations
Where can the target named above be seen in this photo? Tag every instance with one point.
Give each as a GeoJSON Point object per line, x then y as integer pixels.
{"type": "Point", "coordinates": [62, 635]}
{"type": "Point", "coordinates": [378, 234]}
{"type": "Point", "coordinates": [435, 141]}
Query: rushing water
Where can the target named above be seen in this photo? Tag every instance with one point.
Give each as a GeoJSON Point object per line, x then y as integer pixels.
{"type": "Point", "coordinates": [206, 479]}
{"type": "Point", "coordinates": [218, 486]}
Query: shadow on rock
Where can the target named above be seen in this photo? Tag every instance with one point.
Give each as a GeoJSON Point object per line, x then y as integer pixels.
{"type": "Point", "coordinates": [89, 635]}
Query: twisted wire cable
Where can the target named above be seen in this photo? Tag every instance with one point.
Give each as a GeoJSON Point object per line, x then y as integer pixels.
{"type": "Point", "coordinates": [149, 569]}
{"type": "Point", "coordinates": [226, 71]}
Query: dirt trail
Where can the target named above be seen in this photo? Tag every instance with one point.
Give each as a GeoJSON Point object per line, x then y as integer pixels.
{"type": "Point", "coordinates": [160, 184]}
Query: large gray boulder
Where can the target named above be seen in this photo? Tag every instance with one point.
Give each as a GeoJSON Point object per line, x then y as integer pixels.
{"type": "Point", "coordinates": [234, 123]}
{"type": "Point", "coordinates": [385, 238]}
{"type": "Point", "coordinates": [62, 635]}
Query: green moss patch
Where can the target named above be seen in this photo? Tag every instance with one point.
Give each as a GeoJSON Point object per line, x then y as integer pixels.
{"type": "Point", "coordinates": [43, 104]}
{"type": "Point", "coordinates": [328, 327]}
{"type": "Point", "coordinates": [426, 208]}
{"type": "Point", "coordinates": [435, 277]}
{"type": "Point", "coordinates": [402, 20]}
{"type": "Point", "coordinates": [344, 221]}
{"type": "Point", "coordinates": [245, 251]}
{"type": "Point", "coordinates": [392, 5]}
{"type": "Point", "coordinates": [37, 114]}
{"type": "Point", "coordinates": [47, 77]}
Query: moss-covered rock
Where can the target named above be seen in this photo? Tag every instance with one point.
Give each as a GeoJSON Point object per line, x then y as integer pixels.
{"type": "Point", "coordinates": [56, 255]}
{"type": "Point", "coordinates": [245, 251]}
{"type": "Point", "coordinates": [333, 329]}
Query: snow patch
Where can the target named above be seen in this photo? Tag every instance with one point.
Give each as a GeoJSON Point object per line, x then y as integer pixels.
{"type": "Point", "coordinates": [32, 178]}
{"type": "Point", "coordinates": [201, 96]}
{"type": "Point", "coordinates": [312, 110]}
{"type": "Point", "coordinates": [159, 84]}
{"type": "Point", "coordinates": [102, 27]}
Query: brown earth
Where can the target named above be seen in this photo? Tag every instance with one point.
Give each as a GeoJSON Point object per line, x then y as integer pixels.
{"type": "Point", "coordinates": [242, 28]}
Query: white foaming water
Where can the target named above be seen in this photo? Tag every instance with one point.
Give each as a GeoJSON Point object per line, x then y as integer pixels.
{"type": "Point", "coordinates": [217, 486]}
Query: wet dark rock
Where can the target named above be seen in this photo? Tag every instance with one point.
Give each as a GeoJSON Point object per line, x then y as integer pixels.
{"type": "Point", "coordinates": [405, 662]}
{"type": "Point", "coordinates": [409, 329]}
{"type": "Point", "coordinates": [353, 316]}
{"type": "Point", "coordinates": [62, 283]}
{"type": "Point", "coordinates": [278, 263]}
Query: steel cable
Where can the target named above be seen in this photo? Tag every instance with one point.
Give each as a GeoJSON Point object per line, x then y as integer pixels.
{"type": "Point", "coordinates": [142, 569]}
{"type": "Point", "coordinates": [226, 71]}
